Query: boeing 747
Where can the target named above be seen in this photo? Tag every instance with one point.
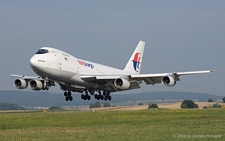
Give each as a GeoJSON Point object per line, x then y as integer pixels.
{"type": "Point", "coordinates": [89, 78]}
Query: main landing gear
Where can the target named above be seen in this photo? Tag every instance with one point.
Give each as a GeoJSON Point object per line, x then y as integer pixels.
{"type": "Point", "coordinates": [68, 96]}
{"type": "Point", "coordinates": [105, 96]}
{"type": "Point", "coordinates": [100, 96]}
{"type": "Point", "coordinates": [86, 96]}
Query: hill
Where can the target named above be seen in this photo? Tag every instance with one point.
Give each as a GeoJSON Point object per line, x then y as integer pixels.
{"type": "Point", "coordinates": [43, 98]}
{"type": "Point", "coordinates": [7, 106]}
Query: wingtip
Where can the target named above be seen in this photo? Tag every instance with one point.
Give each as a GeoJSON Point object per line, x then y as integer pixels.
{"type": "Point", "coordinates": [212, 70]}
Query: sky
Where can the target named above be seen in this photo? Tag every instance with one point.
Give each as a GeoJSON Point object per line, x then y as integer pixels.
{"type": "Point", "coordinates": [179, 35]}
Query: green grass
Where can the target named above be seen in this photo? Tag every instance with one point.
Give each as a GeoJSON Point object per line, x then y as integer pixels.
{"type": "Point", "coordinates": [205, 124]}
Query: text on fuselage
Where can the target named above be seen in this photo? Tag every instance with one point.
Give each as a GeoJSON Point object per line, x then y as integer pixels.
{"type": "Point", "coordinates": [85, 64]}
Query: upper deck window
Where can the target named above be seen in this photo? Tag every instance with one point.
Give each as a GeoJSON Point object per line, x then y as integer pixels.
{"type": "Point", "coordinates": [42, 51]}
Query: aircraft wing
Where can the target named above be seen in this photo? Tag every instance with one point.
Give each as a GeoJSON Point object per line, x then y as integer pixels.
{"type": "Point", "coordinates": [136, 78]}
{"type": "Point", "coordinates": [156, 78]}
{"type": "Point", "coordinates": [26, 77]}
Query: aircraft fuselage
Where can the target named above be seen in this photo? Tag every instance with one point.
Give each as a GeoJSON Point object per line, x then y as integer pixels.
{"type": "Point", "coordinates": [62, 67]}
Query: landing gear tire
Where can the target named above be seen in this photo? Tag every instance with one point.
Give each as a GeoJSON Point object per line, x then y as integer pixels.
{"type": "Point", "coordinates": [68, 96]}
{"type": "Point", "coordinates": [85, 96]}
{"type": "Point", "coordinates": [102, 97]}
{"type": "Point", "coordinates": [109, 98]}
{"type": "Point", "coordinates": [69, 93]}
{"type": "Point", "coordinates": [104, 93]}
{"type": "Point", "coordinates": [82, 96]}
{"type": "Point", "coordinates": [98, 97]}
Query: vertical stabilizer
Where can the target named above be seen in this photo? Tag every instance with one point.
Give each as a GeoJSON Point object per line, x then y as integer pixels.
{"type": "Point", "coordinates": [134, 64]}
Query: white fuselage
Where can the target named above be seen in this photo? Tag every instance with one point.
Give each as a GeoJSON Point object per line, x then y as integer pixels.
{"type": "Point", "coordinates": [62, 67]}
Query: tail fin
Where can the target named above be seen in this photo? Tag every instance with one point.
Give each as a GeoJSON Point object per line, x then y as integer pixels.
{"type": "Point", "coordinates": [134, 64]}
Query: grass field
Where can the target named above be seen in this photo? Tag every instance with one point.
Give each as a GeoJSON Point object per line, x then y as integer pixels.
{"type": "Point", "coordinates": [204, 124]}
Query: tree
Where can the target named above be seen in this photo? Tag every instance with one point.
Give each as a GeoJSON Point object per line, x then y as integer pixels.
{"type": "Point", "coordinates": [188, 104]}
{"type": "Point", "coordinates": [152, 105]}
{"type": "Point", "coordinates": [223, 99]}
{"type": "Point", "coordinates": [210, 100]}
{"type": "Point", "coordinates": [140, 104]}
{"type": "Point", "coordinates": [97, 104]}
{"type": "Point", "coordinates": [183, 105]}
{"type": "Point", "coordinates": [92, 105]}
{"type": "Point", "coordinates": [196, 106]}
{"type": "Point", "coordinates": [106, 104]}
{"type": "Point", "coordinates": [216, 105]}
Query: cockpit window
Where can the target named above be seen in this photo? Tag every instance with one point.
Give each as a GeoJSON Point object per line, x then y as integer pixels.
{"type": "Point", "coordinates": [42, 51]}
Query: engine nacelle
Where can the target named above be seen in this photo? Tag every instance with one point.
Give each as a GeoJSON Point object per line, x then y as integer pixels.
{"type": "Point", "coordinates": [168, 81]}
{"type": "Point", "coordinates": [36, 85]}
{"type": "Point", "coordinates": [20, 84]}
{"type": "Point", "coordinates": [122, 83]}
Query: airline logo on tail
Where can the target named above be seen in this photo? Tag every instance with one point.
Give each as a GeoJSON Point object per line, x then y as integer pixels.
{"type": "Point", "coordinates": [136, 61]}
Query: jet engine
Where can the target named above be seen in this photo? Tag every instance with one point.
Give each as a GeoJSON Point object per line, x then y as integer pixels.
{"type": "Point", "coordinates": [36, 85]}
{"type": "Point", "coordinates": [168, 81]}
{"type": "Point", "coordinates": [122, 83]}
{"type": "Point", "coordinates": [20, 84]}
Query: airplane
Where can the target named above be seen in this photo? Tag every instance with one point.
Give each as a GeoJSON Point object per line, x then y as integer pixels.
{"type": "Point", "coordinates": [77, 75]}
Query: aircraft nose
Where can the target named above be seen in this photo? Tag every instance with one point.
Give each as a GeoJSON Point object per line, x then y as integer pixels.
{"type": "Point", "coordinates": [33, 61]}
